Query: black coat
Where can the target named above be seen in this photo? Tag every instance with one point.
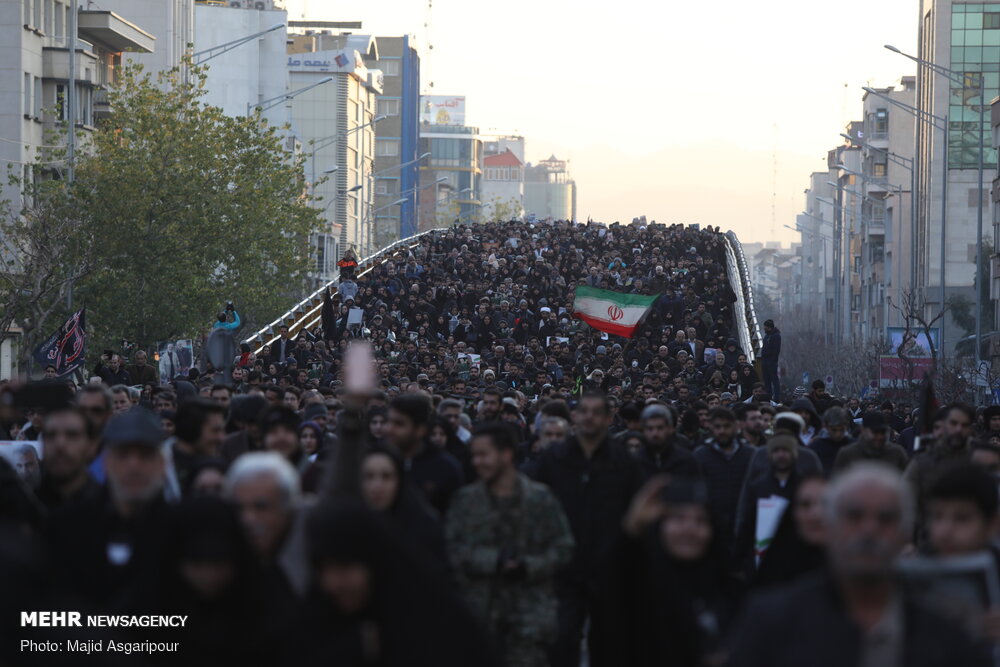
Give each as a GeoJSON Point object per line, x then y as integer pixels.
{"type": "Point", "coordinates": [724, 478]}
{"type": "Point", "coordinates": [805, 623]}
{"type": "Point", "coordinates": [101, 556]}
{"type": "Point", "coordinates": [437, 474]}
{"type": "Point", "coordinates": [827, 450]}
{"type": "Point", "coordinates": [595, 494]}
{"type": "Point", "coordinates": [672, 460]}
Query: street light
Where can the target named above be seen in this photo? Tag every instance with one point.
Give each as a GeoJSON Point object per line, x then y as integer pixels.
{"type": "Point", "coordinates": [962, 78]}
{"type": "Point", "coordinates": [205, 55]}
{"type": "Point", "coordinates": [278, 99]}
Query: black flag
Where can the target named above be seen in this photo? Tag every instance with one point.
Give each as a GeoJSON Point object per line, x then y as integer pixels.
{"type": "Point", "coordinates": [328, 317]}
{"type": "Point", "coordinates": [66, 349]}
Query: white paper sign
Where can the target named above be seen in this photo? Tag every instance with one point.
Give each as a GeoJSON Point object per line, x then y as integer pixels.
{"type": "Point", "coordinates": [769, 511]}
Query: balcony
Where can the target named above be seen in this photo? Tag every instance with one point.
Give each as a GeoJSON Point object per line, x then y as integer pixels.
{"type": "Point", "coordinates": [114, 33]}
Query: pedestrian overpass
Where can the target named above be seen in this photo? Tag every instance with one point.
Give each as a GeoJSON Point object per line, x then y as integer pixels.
{"type": "Point", "coordinates": [305, 315]}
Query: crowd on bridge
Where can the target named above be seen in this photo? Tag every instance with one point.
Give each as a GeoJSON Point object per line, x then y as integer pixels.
{"type": "Point", "coordinates": [451, 469]}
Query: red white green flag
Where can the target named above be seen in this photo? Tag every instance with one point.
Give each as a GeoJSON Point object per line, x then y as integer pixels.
{"type": "Point", "coordinates": [612, 312]}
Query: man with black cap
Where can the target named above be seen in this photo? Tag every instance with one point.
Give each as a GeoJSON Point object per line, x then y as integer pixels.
{"type": "Point", "coordinates": [100, 549]}
{"type": "Point", "coordinates": [873, 445]}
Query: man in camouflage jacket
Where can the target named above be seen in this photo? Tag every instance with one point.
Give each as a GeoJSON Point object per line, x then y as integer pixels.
{"type": "Point", "coordinates": [507, 536]}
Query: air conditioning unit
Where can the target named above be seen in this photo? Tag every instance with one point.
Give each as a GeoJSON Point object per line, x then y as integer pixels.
{"type": "Point", "coordinates": [260, 5]}
{"type": "Point", "coordinates": [236, 3]}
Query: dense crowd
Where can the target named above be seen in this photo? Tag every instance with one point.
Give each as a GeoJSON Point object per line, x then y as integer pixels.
{"type": "Point", "coordinates": [452, 470]}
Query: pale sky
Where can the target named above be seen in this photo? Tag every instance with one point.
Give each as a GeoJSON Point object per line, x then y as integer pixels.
{"type": "Point", "coordinates": [672, 110]}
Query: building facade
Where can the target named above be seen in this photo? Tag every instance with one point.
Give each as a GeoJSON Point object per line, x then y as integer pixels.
{"type": "Point", "coordinates": [170, 21]}
{"type": "Point", "coordinates": [35, 78]}
{"type": "Point", "coordinates": [397, 140]}
{"type": "Point", "coordinates": [251, 72]}
{"type": "Point", "coordinates": [450, 178]}
{"type": "Point", "coordinates": [503, 186]}
{"type": "Point", "coordinates": [334, 122]}
{"type": "Point", "coordinates": [963, 37]}
{"type": "Point", "coordinates": [549, 191]}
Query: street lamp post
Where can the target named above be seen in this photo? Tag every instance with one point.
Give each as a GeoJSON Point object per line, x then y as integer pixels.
{"type": "Point", "coordinates": [278, 99]}
{"type": "Point", "coordinates": [205, 55]}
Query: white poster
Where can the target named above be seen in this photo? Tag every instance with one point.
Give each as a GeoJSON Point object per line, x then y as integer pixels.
{"type": "Point", "coordinates": [769, 511]}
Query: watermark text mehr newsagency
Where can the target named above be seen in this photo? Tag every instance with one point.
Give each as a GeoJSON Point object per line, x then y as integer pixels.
{"type": "Point", "coordinates": [74, 619]}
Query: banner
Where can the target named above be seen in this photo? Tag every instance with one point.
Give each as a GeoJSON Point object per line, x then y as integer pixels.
{"type": "Point", "coordinates": [894, 372]}
{"type": "Point", "coordinates": [66, 349]}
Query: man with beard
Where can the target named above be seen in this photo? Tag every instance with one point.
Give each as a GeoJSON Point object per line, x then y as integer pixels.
{"type": "Point", "coordinates": [507, 536]}
{"type": "Point", "coordinates": [660, 452]}
{"type": "Point", "coordinates": [70, 445]}
{"type": "Point", "coordinates": [102, 548]}
{"type": "Point", "coordinates": [594, 480]}
{"type": "Point", "coordinates": [953, 446]}
{"type": "Point", "coordinates": [854, 614]}
{"type": "Point", "coordinates": [751, 424]}
{"type": "Point", "coordinates": [873, 445]}
{"type": "Point", "coordinates": [835, 436]}
{"type": "Point", "coordinates": [781, 480]}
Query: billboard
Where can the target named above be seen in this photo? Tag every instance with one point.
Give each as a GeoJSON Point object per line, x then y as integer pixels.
{"type": "Point", "coordinates": [917, 345]}
{"type": "Point", "coordinates": [442, 110]}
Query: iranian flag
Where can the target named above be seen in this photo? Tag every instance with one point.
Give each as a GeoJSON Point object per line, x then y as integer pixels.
{"type": "Point", "coordinates": [612, 312]}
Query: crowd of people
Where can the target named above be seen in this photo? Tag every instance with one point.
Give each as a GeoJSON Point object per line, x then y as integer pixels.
{"type": "Point", "coordinates": [452, 470]}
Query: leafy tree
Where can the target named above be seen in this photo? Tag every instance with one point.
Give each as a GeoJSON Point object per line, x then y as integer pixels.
{"type": "Point", "coordinates": [194, 208]}
{"type": "Point", "coordinates": [45, 248]}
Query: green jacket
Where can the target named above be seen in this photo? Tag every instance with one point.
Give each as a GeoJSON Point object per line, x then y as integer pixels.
{"type": "Point", "coordinates": [531, 525]}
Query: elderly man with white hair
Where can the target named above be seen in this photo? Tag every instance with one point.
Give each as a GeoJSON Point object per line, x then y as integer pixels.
{"type": "Point", "coordinates": [854, 613]}
{"type": "Point", "coordinates": [265, 489]}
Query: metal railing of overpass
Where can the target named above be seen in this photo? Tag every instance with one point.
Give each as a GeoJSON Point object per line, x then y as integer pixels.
{"type": "Point", "coordinates": [307, 313]}
{"type": "Point", "coordinates": [745, 309]}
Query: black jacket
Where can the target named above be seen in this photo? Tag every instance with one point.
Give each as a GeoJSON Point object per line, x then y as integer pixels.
{"type": "Point", "coordinates": [437, 474]}
{"type": "Point", "coordinates": [756, 489]}
{"type": "Point", "coordinates": [595, 494]}
{"type": "Point", "coordinates": [771, 347]}
{"type": "Point", "coordinates": [805, 623]}
{"type": "Point", "coordinates": [671, 460]}
{"type": "Point", "coordinates": [101, 556]}
{"type": "Point", "coordinates": [827, 450]}
{"type": "Point", "coordinates": [724, 478]}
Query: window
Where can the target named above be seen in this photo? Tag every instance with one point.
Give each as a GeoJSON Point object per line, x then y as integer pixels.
{"type": "Point", "coordinates": [28, 91]}
{"type": "Point", "coordinates": [991, 20]}
{"type": "Point", "coordinates": [881, 121]}
{"type": "Point", "coordinates": [387, 107]}
{"type": "Point", "coordinates": [390, 67]}
{"type": "Point", "coordinates": [515, 174]}
{"type": "Point", "coordinates": [37, 23]}
{"type": "Point", "coordinates": [26, 10]}
{"type": "Point", "coordinates": [59, 15]}
{"type": "Point", "coordinates": [879, 170]}
{"type": "Point", "coordinates": [37, 110]}
{"type": "Point", "coordinates": [381, 188]}
{"type": "Point", "coordinates": [386, 148]}
{"type": "Point", "coordinates": [49, 16]}
{"type": "Point", "coordinates": [61, 101]}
